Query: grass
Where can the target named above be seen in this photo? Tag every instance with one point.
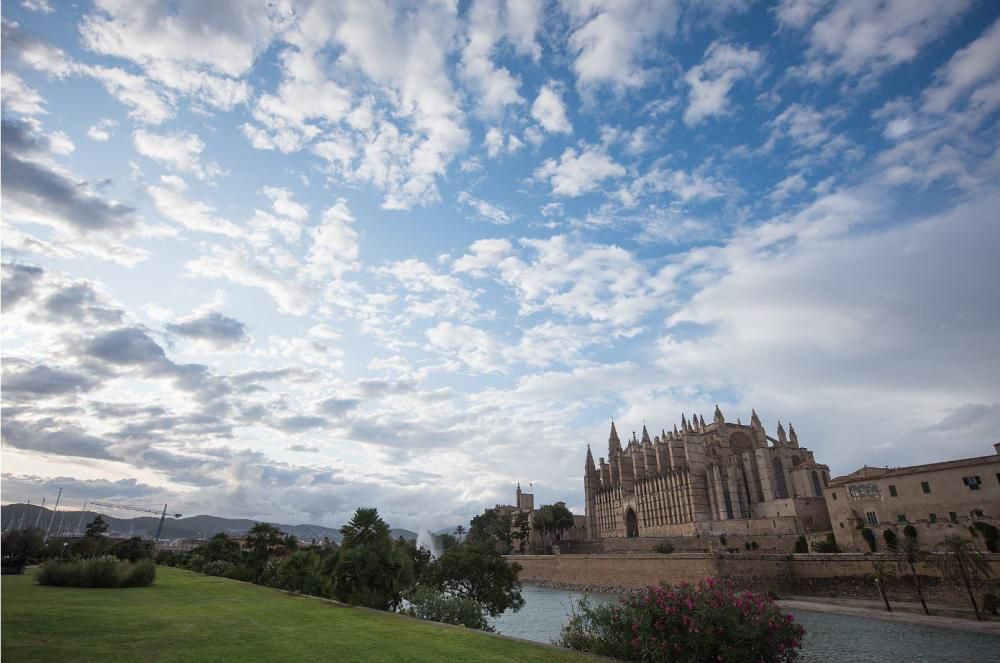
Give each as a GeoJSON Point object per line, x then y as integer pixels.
{"type": "Point", "coordinates": [187, 616]}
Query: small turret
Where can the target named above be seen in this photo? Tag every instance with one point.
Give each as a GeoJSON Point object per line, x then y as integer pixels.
{"type": "Point", "coordinates": [645, 436]}
{"type": "Point", "coordinates": [701, 422]}
{"type": "Point", "coordinates": [718, 418]}
{"type": "Point", "coordinates": [684, 423]}
{"type": "Point", "coordinates": [614, 443]}
{"type": "Point", "coordinates": [588, 466]}
{"type": "Point", "coordinates": [792, 437]}
{"type": "Point", "coordinates": [781, 434]}
{"type": "Point", "coordinates": [755, 421]}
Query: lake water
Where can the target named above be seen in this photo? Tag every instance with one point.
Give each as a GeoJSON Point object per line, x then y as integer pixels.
{"type": "Point", "coordinates": [829, 637]}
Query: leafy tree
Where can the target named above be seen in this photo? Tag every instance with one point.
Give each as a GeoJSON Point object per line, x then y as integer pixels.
{"type": "Point", "coordinates": [97, 527]}
{"type": "Point", "coordinates": [552, 519]}
{"type": "Point", "coordinates": [494, 527]}
{"type": "Point", "coordinates": [890, 538]}
{"type": "Point", "coordinates": [522, 529]}
{"type": "Point", "coordinates": [801, 545]}
{"type": "Point", "coordinates": [958, 559]}
{"type": "Point", "coordinates": [990, 534]}
{"type": "Point", "coordinates": [910, 532]}
{"type": "Point", "coordinates": [302, 571]}
{"type": "Point", "coordinates": [371, 570]}
{"type": "Point", "coordinates": [132, 549]}
{"type": "Point", "coordinates": [420, 558]}
{"type": "Point", "coordinates": [829, 545]}
{"type": "Point", "coordinates": [429, 603]}
{"type": "Point", "coordinates": [445, 541]}
{"type": "Point", "coordinates": [908, 554]}
{"type": "Point", "coordinates": [264, 542]}
{"type": "Point", "coordinates": [22, 546]}
{"type": "Point", "coordinates": [220, 548]}
{"type": "Point", "coordinates": [477, 571]}
{"type": "Point", "coordinates": [869, 537]}
{"type": "Point", "coordinates": [460, 532]}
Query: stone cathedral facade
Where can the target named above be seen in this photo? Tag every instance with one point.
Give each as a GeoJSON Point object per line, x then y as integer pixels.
{"type": "Point", "coordinates": [705, 479]}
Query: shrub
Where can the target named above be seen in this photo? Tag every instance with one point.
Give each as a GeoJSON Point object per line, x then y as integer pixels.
{"type": "Point", "coordinates": [216, 568]}
{"type": "Point", "coordinates": [685, 624]}
{"type": "Point", "coordinates": [240, 572]}
{"type": "Point", "coordinates": [104, 571]}
{"type": "Point", "coordinates": [991, 603]}
{"type": "Point", "coordinates": [890, 538]}
{"type": "Point", "coordinates": [665, 548]}
{"type": "Point", "coordinates": [722, 539]}
{"type": "Point", "coordinates": [910, 532]}
{"type": "Point", "coordinates": [801, 545]}
{"type": "Point", "coordinates": [990, 534]}
{"type": "Point", "coordinates": [428, 603]}
{"type": "Point", "coordinates": [772, 594]}
{"type": "Point", "coordinates": [195, 563]}
{"type": "Point", "coordinates": [753, 545]}
{"type": "Point", "coordinates": [869, 538]}
{"type": "Point", "coordinates": [138, 574]}
{"type": "Point", "coordinates": [828, 545]}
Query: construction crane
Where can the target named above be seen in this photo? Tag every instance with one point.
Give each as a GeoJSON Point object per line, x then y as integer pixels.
{"type": "Point", "coordinates": [163, 515]}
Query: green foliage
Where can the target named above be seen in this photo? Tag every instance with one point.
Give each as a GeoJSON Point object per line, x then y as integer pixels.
{"type": "Point", "coordinates": [666, 548]}
{"type": "Point", "coordinates": [170, 558]}
{"type": "Point", "coordinates": [240, 572]}
{"type": "Point", "coordinates": [522, 530]}
{"type": "Point", "coordinates": [890, 538]}
{"type": "Point", "coordinates": [371, 570]}
{"type": "Point", "coordinates": [302, 572]}
{"type": "Point", "coordinates": [195, 563]}
{"type": "Point", "coordinates": [478, 572]}
{"type": "Point", "coordinates": [105, 571]}
{"type": "Point", "coordinates": [217, 568]}
{"type": "Point", "coordinates": [828, 545]}
{"type": "Point", "coordinates": [552, 519]}
{"type": "Point", "coordinates": [801, 545]}
{"type": "Point", "coordinates": [492, 527]}
{"type": "Point", "coordinates": [221, 548]}
{"type": "Point", "coordinates": [754, 545]}
{"type": "Point", "coordinates": [431, 604]}
{"type": "Point", "coordinates": [23, 546]}
{"type": "Point", "coordinates": [420, 558]}
{"type": "Point", "coordinates": [959, 560]}
{"type": "Point", "coordinates": [910, 532]}
{"type": "Point", "coordinates": [908, 554]}
{"type": "Point", "coordinates": [685, 624]}
{"type": "Point", "coordinates": [89, 546]}
{"type": "Point", "coordinates": [990, 534]}
{"type": "Point", "coordinates": [869, 537]}
{"type": "Point", "coordinates": [722, 539]}
{"type": "Point", "coordinates": [96, 527]}
{"type": "Point", "coordinates": [132, 549]}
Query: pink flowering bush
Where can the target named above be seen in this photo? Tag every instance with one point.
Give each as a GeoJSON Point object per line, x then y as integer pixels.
{"type": "Point", "coordinates": [709, 621]}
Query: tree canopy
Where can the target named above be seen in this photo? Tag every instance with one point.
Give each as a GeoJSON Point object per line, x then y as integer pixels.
{"type": "Point", "coordinates": [477, 571]}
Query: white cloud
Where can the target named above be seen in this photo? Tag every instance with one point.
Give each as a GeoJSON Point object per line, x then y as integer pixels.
{"type": "Point", "coordinates": [42, 6]}
{"type": "Point", "coordinates": [711, 81]}
{"type": "Point", "coordinates": [19, 97]}
{"type": "Point", "coordinates": [101, 131]}
{"type": "Point", "coordinates": [970, 66]}
{"type": "Point", "coordinates": [179, 151]}
{"type": "Point", "coordinates": [282, 203]}
{"type": "Point", "coordinates": [483, 255]}
{"type": "Point", "coordinates": [549, 110]}
{"type": "Point", "coordinates": [495, 87]}
{"type": "Point", "coordinates": [334, 248]}
{"type": "Point", "coordinates": [169, 197]}
{"type": "Point", "coordinates": [576, 173]}
{"type": "Point", "coordinates": [611, 41]}
{"type": "Point", "coordinates": [145, 103]}
{"type": "Point", "coordinates": [485, 210]}
{"type": "Point", "coordinates": [60, 143]}
{"type": "Point", "coordinates": [794, 183]}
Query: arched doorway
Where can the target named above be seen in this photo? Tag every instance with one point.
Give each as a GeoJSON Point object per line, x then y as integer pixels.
{"type": "Point", "coordinates": [631, 523]}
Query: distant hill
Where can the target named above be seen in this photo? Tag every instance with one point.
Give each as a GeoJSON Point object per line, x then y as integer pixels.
{"type": "Point", "coordinates": [194, 527]}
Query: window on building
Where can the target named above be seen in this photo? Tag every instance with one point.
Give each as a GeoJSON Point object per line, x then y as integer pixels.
{"type": "Point", "coordinates": [872, 517]}
{"type": "Point", "coordinates": [892, 491]}
{"type": "Point", "coordinates": [952, 516]}
{"type": "Point", "coordinates": [972, 482]}
{"type": "Point", "coordinates": [901, 518]}
{"type": "Point", "coordinates": [932, 517]}
{"type": "Point", "coordinates": [834, 495]}
{"type": "Point", "coordinates": [978, 513]}
{"type": "Point", "coordinates": [926, 487]}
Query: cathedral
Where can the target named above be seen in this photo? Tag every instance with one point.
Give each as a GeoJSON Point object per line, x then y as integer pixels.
{"type": "Point", "coordinates": [705, 479]}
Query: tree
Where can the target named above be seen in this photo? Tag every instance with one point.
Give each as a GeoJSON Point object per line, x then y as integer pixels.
{"type": "Point", "coordinates": [522, 529]}
{"type": "Point", "coordinates": [990, 534]}
{"type": "Point", "coordinates": [958, 559]}
{"type": "Point", "coordinates": [132, 549]}
{"type": "Point", "coordinates": [494, 527]}
{"type": "Point", "coordinates": [459, 532]}
{"type": "Point", "coordinates": [882, 572]}
{"type": "Point", "coordinates": [97, 527]}
{"type": "Point", "coordinates": [371, 570]}
{"type": "Point", "coordinates": [22, 546]}
{"type": "Point", "coordinates": [220, 548]}
{"type": "Point", "coordinates": [477, 571]}
{"type": "Point", "coordinates": [829, 545]}
{"type": "Point", "coordinates": [302, 571]}
{"type": "Point", "coordinates": [552, 519]}
{"type": "Point", "coordinates": [264, 542]}
{"type": "Point", "coordinates": [908, 554]}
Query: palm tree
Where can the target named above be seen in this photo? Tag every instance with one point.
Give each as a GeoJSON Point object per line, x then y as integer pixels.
{"type": "Point", "coordinates": [365, 527]}
{"type": "Point", "coordinates": [908, 553]}
{"type": "Point", "coordinates": [882, 573]}
{"type": "Point", "coordinates": [460, 532]}
{"type": "Point", "coordinates": [262, 538]}
{"type": "Point", "coordinates": [959, 560]}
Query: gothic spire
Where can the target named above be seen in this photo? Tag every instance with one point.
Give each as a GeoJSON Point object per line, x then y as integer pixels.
{"type": "Point", "coordinates": [719, 419]}
{"type": "Point", "coordinates": [792, 436]}
{"type": "Point", "coordinates": [781, 434]}
{"type": "Point", "coordinates": [590, 462]}
{"type": "Point", "coordinates": [645, 436]}
{"type": "Point", "coordinates": [614, 443]}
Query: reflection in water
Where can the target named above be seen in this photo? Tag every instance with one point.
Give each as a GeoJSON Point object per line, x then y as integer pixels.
{"type": "Point", "coordinates": [828, 637]}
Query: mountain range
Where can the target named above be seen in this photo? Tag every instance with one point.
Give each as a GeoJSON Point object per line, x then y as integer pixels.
{"type": "Point", "coordinates": [194, 527]}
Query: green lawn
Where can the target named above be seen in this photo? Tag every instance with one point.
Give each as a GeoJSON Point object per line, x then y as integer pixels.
{"type": "Point", "coordinates": [186, 616]}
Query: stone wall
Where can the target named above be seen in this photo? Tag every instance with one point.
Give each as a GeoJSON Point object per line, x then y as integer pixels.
{"type": "Point", "coordinates": [842, 576]}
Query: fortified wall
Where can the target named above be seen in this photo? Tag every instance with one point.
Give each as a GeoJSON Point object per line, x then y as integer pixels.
{"type": "Point", "coordinates": [837, 576]}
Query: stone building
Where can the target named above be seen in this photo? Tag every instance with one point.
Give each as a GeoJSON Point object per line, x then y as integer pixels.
{"type": "Point", "coordinates": [705, 479]}
{"type": "Point", "coordinates": [524, 502]}
{"type": "Point", "coordinates": [937, 498]}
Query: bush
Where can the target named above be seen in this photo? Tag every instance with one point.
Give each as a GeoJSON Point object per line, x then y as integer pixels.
{"type": "Point", "coordinates": [722, 539]}
{"type": "Point", "coordinates": [990, 534]}
{"type": "Point", "coordinates": [869, 538]}
{"type": "Point", "coordinates": [801, 545]}
{"type": "Point", "coordinates": [240, 572]}
{"type": "Point", "coordinates": [104, 571]}
{"type": "Point", "coordinates": [665, 548]}
{"type": "Point", "coordinates": [216, 568]}
{"type": "Point", "coordinates": [910, 532]}
{"type": "Point", "coordinates": [890, 538]}
{"type": "Point", "coordinates": [428, 603]}
{"type": "Point", "coordinates": [753, 545]}
{"type": "Point", "coordinates": [685, 624]}
{"type": "Point", "coordinates": [991, 603]}
{"type": "Point", "coordinates": [829, 545]}
{"type": "Point", "coordinates": [195, 563]}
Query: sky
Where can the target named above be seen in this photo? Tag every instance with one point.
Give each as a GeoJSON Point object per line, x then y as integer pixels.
{"type": "Point", "coordinates": [280, 260]}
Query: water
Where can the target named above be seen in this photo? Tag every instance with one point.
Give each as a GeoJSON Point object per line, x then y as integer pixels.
{"type": "Point", "coordinates": [428, 542]}
{"type": "Point", "coordinates": [829, 637]}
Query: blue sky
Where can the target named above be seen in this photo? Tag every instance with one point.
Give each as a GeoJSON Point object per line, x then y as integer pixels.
{"type": "Point", "coordinates": [281, 261]}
